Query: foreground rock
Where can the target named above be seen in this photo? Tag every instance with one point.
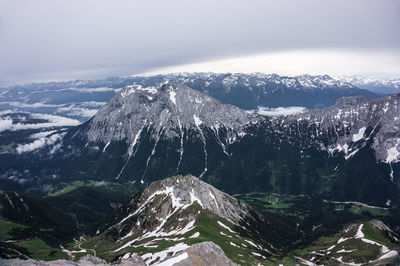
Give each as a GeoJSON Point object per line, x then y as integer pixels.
{"type": "Point", "coordinates": [206, 253]}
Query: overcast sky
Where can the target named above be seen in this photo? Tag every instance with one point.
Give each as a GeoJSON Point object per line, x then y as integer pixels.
{"type": "Point", "coordinates": [67, 39]}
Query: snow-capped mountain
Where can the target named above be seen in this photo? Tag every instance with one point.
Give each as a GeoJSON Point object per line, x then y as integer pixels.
{"type": "Point", "coordinates": [174, 120]}
{"type": "Point", "coordinates": [249, 91]}
{"type": "Point", "coordinates": [168, 109]}
{"type": "Point", "coordinates": [381, 86]}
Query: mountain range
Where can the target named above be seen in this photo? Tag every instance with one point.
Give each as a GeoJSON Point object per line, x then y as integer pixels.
{"type": "Point", "coordinates": [380, 86]}
{"type": "Point", "coordinates": [122, 185]}
{"type": "Point", "coordinates": [81, 99]}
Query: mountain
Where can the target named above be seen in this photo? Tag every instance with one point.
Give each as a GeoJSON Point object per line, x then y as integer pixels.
{"type": "Point", "coordinates": [380, 86]}
{"type": "Point", "coordinates": [172, 214]}
{"type": "Point", "coordinates": [344, 152]}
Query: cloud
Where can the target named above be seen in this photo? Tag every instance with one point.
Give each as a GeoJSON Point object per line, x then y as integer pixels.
{"type": "Point", "coordinates": [53, 121]}
{"type": "Point", "coordinates": [39, 143]}
{"type": "Point", "coordinates": [5, 124]}
{"type": "Point", "coordinates": [280, 111]}
{"type": "Point", "coordinates": [82, 90]}
{"type": "Point", "coordinates": [91, 90]}
{"type": "Point", "coordinates": [31, 105]}
{"type": "Point", "coordinates": [47, 105]}
{"type": "Point", "coordinates": [83, 39]}
{"type": "Point", "coordinates": [78, 111]}
{"type": "Point", "coordinates": [92, 104]}
{"type": "Point", "coordinates": [297, 62]}
{"type": "Point", "coordinates": [42, 134]}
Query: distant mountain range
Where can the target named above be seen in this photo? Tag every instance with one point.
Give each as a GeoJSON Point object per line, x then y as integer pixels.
{"type": "Point", "coordinates": [380, 86]}
{"type": "Point", "coordinates": [81, 99]}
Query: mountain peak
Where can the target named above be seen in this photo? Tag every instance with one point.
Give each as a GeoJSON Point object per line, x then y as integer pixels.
{"type": "Point", "coordinates": [186, 190]}
{"type": "Point", "coordinates": [166, 109]}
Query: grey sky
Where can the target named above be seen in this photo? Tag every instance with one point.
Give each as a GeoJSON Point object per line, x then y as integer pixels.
{"type": "Point", "coordinates": [64, 39]}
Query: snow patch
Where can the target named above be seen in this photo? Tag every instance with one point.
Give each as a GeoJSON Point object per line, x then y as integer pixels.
{"type": "Point", "coordinates": [105, 147]}
{"type": "Point", "coordinates": [226, 227]}
{"type": "Point", "coordinates": [197, 234]}
{"type": "Point", "coordinates": [173, 260]}
{"type": "Point", "coordinates": [197, 120]}
{"type": "Point", "coordinates": [233, 244]}
{"type": "Point", "coordinates": [359, 233]}
{"type": "Point", "coordinates": [215, 201]}
{"type": "Point", "coordinates": [393, 153]}
{"type": "Point", "coordinates": [359, 135]}
{"type": "Point", "coordinates": [172, 96]}
{"type": "Point", "coordinates": [162, 255]}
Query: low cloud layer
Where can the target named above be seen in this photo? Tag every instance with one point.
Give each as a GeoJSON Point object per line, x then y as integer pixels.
{"type": "Point", "coordinates": [7, 123]}
{"type": "Point", "coordinates": [280, 111]}
{"type": "Point", "coordinates": [41, 142]}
